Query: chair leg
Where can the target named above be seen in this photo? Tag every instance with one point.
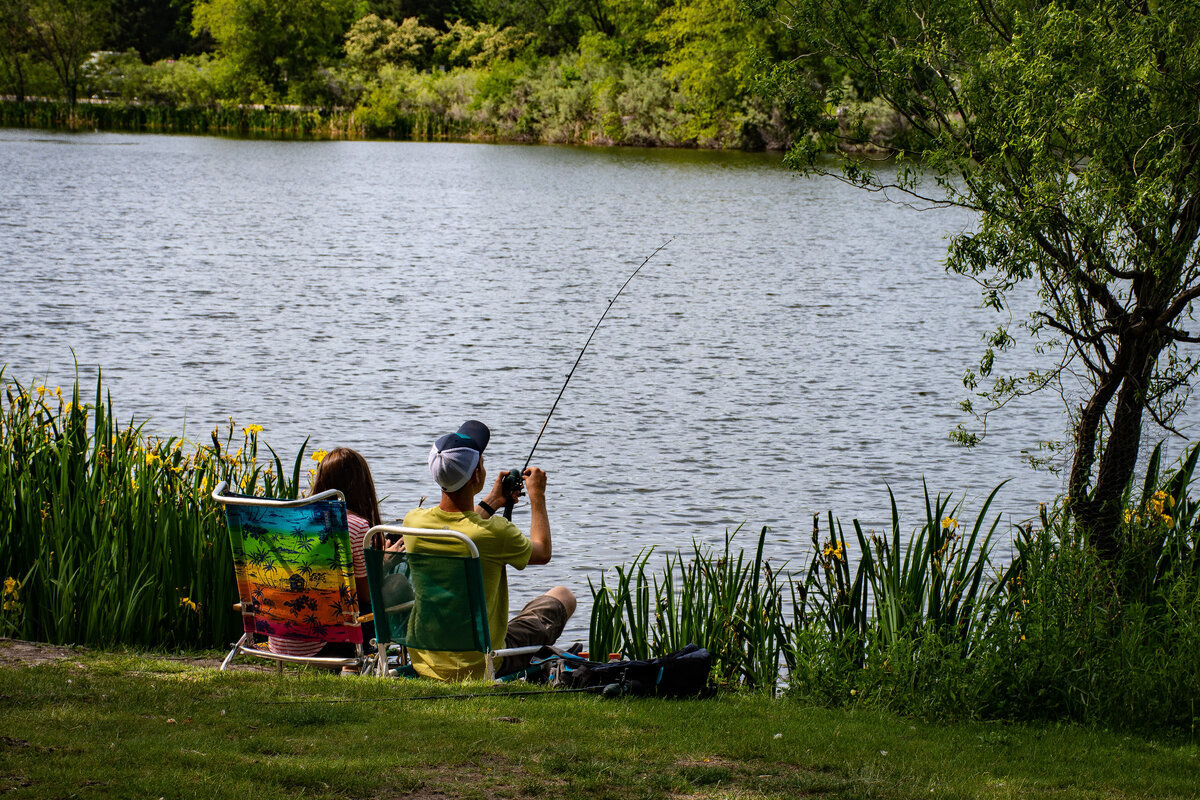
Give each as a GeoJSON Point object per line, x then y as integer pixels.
{"type": "Point", "coordinates": [381, 668]}
{"type": "Point", "coordinates": [489, 667]}
{"type": "Point", "coordinates": [236, 647]}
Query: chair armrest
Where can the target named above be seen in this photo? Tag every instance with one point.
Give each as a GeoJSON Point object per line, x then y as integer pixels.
{"type": "Point", "coordinates": [398, 608]}
{"type": "Point", "coordinates": [518, 651]}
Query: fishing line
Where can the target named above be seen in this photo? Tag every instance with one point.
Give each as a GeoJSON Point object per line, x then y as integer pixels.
{"type": "Point", "coordinates": [593, 689]}
{"type": "Point", "coordinates": [512, 479]}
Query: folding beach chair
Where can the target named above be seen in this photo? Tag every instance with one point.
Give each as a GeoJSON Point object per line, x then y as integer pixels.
{"type": "Point", "coordinates": [295, 574]}
{"type": "Point", "coordinates": [429, 602]}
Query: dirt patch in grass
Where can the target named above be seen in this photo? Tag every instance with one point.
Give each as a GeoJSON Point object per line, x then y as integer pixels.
{"type": "Point", "coordinates": [10, 783]}
{"type": "Point", "coordinates": [490, 778]}
{"type": "Point", "coordinates": [712, 761]}
{"type": "Point", "coordinates": [17, 652]}
{"type": "Point", "coordinates": [423, 793]}
{"type": "Point", "coordinates": [20, 653]}
{"type": "Point", "coordinates": [714, 776]}
{"type": "Point", "coordinates": [246, 663]}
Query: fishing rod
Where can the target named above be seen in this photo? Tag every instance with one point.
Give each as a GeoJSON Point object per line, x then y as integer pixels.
{"type": "Point", "coordinates": [513, 478]}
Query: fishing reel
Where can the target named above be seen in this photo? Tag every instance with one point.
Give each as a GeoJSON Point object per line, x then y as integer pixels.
{"type": "Point", "coordinates": [512, 481]}
{"type": "Point", "coordinates": [511, 484]}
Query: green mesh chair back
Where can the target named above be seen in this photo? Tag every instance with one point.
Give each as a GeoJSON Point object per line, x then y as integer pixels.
{"type": "Point", "coordinates": [431, 601]}
{"type": "Point", "coordinates": [427, 601]}
{"type": "Point", "coordinates": [391, 593]}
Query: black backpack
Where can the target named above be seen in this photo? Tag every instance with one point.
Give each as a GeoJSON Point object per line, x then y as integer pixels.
{"type": "Point", "coordinates": [684, 673]}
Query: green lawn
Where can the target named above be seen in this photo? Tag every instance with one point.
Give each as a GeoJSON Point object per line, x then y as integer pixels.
{"type": "Point", "coordinates": [109, 725]}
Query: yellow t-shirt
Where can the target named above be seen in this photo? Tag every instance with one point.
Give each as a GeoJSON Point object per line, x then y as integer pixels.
{"type": "Point", "coordinates": [500, 543]}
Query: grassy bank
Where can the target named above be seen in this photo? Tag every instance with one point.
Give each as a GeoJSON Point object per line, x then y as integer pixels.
{"type": "Point", "coordinates": [98, 725]}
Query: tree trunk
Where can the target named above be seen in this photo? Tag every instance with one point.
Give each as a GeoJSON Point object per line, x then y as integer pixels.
{"type": "Point", "coordinates": [1099, 511]}
{"type": "Point", "coordinates": [19, 76]}
{"type": "Point", "coordinates": [1087, 433]}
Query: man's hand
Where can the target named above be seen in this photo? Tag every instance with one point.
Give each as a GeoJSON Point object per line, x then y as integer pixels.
{"type": "Point", "coordinates": [497, 498]}
{"type": "Point", "coordinates": [535, 484]}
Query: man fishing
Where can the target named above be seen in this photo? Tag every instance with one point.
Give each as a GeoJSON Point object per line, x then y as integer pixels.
{"type": "Point", "coordinates": [456, 463]}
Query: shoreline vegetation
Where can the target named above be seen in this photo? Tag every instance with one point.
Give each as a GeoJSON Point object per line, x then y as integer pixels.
{"type": "Point", "coordinates": [689, 73]}
{"type": "Point", "coordinates": [286, 122]}
{"type": "Point", "coordinates": [265, 120]}
{"type": "Point", "coordinates": [109, 538]}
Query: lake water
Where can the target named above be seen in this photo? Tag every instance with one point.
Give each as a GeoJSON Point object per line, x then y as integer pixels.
{"type": "Point", "coordinates": [796, 348]}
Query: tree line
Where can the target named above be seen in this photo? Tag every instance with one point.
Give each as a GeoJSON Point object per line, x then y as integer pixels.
{"type": "Point", "coordinates": [677, 72]}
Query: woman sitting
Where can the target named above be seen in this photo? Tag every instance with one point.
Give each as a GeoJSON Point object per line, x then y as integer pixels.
{"type": "Point", "coordinates": [347, 471]}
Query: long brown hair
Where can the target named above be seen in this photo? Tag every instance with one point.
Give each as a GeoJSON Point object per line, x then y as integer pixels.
{"type": "Point", "coordinates": [347, 471]}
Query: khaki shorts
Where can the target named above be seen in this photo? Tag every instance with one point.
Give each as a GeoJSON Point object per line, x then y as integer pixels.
{"type": "Point", "coordinates": [540, 622]}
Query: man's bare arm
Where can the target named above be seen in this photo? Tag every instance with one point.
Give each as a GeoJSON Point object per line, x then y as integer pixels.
{"type": "Point", "coordinates": [539, 522]}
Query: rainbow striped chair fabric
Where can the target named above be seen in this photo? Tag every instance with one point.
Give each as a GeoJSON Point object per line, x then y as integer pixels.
{"type": "Point", "coordinates": [295, 575]}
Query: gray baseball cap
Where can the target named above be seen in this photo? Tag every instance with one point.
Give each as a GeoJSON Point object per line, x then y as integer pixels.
{"type": "Point", "coordinates": [454, 457]}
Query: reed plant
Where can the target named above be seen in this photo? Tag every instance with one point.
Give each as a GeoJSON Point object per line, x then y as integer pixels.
{"type": "Point", "coordinates": [939, 579]}
{"type": "Point", "coordinates": [1158, 548]}
{"type": "Point", "coordinates": [815, 631]}
{"type": "Point", "coordinates": [896, 617]}
{"type": "Point", "coordinates": [830, 598]}
{"type": "Point", "coordinates": [728, 603]}
{"type": "Point", "coordinates": [109, 535]}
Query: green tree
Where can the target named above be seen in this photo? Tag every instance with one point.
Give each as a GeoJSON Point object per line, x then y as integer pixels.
{"type": "Point", "coordinates": [464, 45]}
{"type": "Point", "coordinates": [373, 42]}
{"type": "Point", "coordinates": [157, 29]}
{"type": "Point", "coordinates": [1072, 130]}
{"type": "Point", "coordinates": [62, 33]}
{"type": "Point", "coordinates": [16, 44]}
{"type": "Point", "coordinates": [713, 48]}
{"type": "Point", "coordinates": [554, 22]}
{"type": "Point", "coordinates": [560, 24]}
{"type": "Point", "coordinates": [434, 13]}
{"type": "Point", "coordinates": [275, 45]}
